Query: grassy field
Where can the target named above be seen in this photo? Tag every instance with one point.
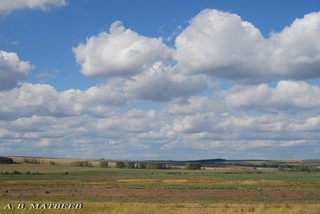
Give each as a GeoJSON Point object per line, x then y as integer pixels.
{"type": "Point", "coordinates": [230, 189]}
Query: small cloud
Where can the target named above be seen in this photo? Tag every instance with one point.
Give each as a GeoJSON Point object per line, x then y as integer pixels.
{"type": "Point", "coordinates": [161, 29]}
{"type": "Point", "coordinates": [175, 33]}
{"type": "Point", "coordinates": [8, 40]}
{"type": "Point", "coordinates": [46, 76]}
{"type": "Point", "coordinates": [43, 143]}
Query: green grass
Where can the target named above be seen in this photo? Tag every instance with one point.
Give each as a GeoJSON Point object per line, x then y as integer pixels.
{"type": "Point", "coordinates": [42, 173]}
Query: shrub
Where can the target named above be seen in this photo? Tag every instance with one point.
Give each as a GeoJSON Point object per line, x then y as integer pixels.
{"type": "Point", "coordinates": [32, 161]}
{"type": "Point", "coordinates": [130, 165]}
{"type": "Point", "coordinates": [82, 164]}
{"type": "Point", "coordinates": [103, 164]}
{"type": "Point", "coordinates": [16, 172]}
{"type": "Point", "coordinates": [142, 166]}
{"type": "Point", "coordinates": [120, 164]}
{"type": "Point", "coordinates": [299, 168]}
{"type": "Point", "coordinates": [175, 173]}
{"type": "Point", "coordinates": [52, 163]}
{"type": "Point", "coordinates": [156, 165]}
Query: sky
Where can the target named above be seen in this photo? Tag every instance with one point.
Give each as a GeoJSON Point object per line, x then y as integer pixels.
{"type": "Point", "coordinates": [160, 80]}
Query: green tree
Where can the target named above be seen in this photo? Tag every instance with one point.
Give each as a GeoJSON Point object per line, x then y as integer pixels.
{"type": "Point", "coordinates": [142, 166]}
{"type": "Point", "coordinates": [193, 166]}
{"type": "Point", "coordinates": [156, 165]}
{"type": "Point", "coordinates": [120, 164]}
{"type": "Point", "coordinates": [130, 165]}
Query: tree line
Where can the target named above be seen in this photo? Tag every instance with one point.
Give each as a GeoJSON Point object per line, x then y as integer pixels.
{"type": "Point", "coordinates": [154, 165]}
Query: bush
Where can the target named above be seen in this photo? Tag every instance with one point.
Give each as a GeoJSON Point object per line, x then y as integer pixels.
{"type": "Point", "coordinates": [82, 164]}
{"type": "Point", "coordinates": [16, 172]}
{"type": "Point", "coordinates": [52, 163]}
{"type": "Point", "coordinates": [156, 165]}
{"type": "Point", "coordinates": [142, 166]}
{"type": "Point", "coordinates": [193, 166]}
{"type": "Point", "coordinates": [5, 160]}
{"type": "Point", "coordinates": [34, 161]}
{"type": "Point", "coordinates": [130, 165]}
{"type": "Point", "coordinates": [31, 161]}
{"type": "Point", "coordinates": [121, 164]}
{"type": "Point", "coordinates": [299, 168]}
{"type": "Point", "coordinates": [103, 164]}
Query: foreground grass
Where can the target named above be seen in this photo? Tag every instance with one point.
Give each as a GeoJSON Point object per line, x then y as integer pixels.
{"type": "Point", "coordinates": [176, 208]}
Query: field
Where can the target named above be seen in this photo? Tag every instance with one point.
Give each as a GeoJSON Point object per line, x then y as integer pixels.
{"type": "Point", "coordinates": [231, 188]}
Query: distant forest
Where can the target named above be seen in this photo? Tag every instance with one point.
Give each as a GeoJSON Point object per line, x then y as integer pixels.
{"type": "Point", "coordinates": [5, 160]}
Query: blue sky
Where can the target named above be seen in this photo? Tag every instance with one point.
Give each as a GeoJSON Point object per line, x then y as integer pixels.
{"type": "Point", "coordinates": [160, 79]}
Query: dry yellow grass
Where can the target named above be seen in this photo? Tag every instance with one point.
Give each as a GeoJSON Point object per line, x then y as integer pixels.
{"type": "Point", "coordinates": [58, 161]}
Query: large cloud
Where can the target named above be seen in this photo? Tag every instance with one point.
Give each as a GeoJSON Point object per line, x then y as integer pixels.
{"type": "Point", "coordinates": [286, 96]}
{"type": "Point", "coordinates": [222, 45]}
{"type": "Point", "coordinates": [205, 126]}
{"type": "Point", "coordinates": [121, 52]}
{"type": "Point", "coordinates": [9, 6]}
{"type": "Point", "coordinates": [44, 100]}
{"type": "Point", "coordinates": [296, 53]}
{"type": "Point", "coordinates": [145, 62]}
{"type": "Point", "coordinates": [219, 44]}
{"type": "Point", "coordinates": [215, 44]}
{"type": "Point", "coordinates": [12, 70]}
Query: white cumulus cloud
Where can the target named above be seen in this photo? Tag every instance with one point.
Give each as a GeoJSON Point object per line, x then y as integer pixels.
{"type": "Point", "coordinates": [8, 6]}
{"type": "Point", "coordinates": [296, 51]}
{"type": "Point", "coordinates": [286, 96]}
{"type": "Point", "coordinates": [121, 52]}
{"type": "Point", "coordinates": [223, 45]}
{"type": "Point", "coordinates": [12, 70]}
{"type": "Point", "coordinates": [44, 100]}
{"type": "Point", "coordinates": [220, 44]}
{"type": "Point", "coordinates": [161, 83]}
